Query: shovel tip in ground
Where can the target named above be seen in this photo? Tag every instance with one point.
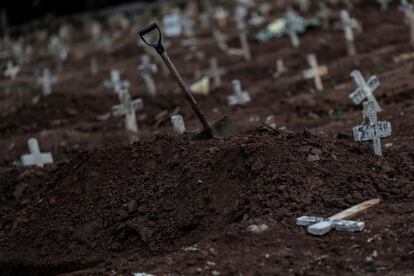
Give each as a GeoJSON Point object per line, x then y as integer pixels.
{"type": "Point", "coordinates": [222, 128]}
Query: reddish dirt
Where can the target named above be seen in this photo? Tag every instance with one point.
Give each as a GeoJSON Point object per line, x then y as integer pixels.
{"type": "Point", "coordinates": [170, 205]}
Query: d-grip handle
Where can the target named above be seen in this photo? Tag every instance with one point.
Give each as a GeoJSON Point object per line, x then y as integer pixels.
{"type": "Point", "coordinates": [157, 45]}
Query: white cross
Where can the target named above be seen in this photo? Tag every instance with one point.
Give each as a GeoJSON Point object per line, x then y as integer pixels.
{"type": "Point", "coordinates": [239, 97]}
{"type": "Point", "coordinates": [58, 49]}
{"type": "Point", "coordinates": [372, 129]}
{"type": "Point", "coordinates": [11, 70]}
{"type": "Point", "coordinates": [172, 24]}
{"type": "Point", "coordinates": [128, 108]}
{"type": "Point", "coordinates": [280, 68]}
{"type": "Point", "coordinates": [214, 72]}
{"type": "Point", "coordinates": [365, 89]}
{"type": "Point", "coordinates": [315, 72]}
{"type": "Point", "coordinates": [147, 69]}
{"type": "Point", "coordinates": [178, 125]}
{"type": "Point", "coordinates": [116, 83]}
{"type": "Point", "coordinates": [46, 81]}
{"type": "Point", "coordinates": [348, 25]}
{"type": "Point", "coordinates": [290, 28]}
{"type": "Point", "coordinates": [36, 157]}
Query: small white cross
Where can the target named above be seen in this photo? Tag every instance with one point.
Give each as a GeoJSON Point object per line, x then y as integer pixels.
{"type": "Point", "coordinates": [239, 97]}
{"type": "Point", "coordinates": [11, 70]}
{"type": "Point", "coordinates": [365, 89]}
{"type": "Point", "coordinates": [46, 81]}
{"type": "Point", "coordinates": [116, 83]}
{"type": "Point", "coordinates": [348, 25]}
{"type": "Point", "coordinates": [147, 69]}
{"type": "Point", "coordinates": [36, 157]}
{"type": "Point", "coordinates": [280, 68]}
{"type": "Point", "coordinates": [128, 108]}
{"type": "Point", "coordinates": [178, 125]}
{"type": "Point", "coordinates": [290, 16]}
{"type": "Point", "coordinates": [172, 24]}
{"type": "Point", "coordinates": [372, 129]}
{"type": "Point", "coordinates": [315, 72]}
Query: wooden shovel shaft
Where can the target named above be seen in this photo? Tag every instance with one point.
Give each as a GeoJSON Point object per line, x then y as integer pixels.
{"type": "Point", "coordinates": [355, 210]}
{"type": "Point", "coordinates": [187, 93]}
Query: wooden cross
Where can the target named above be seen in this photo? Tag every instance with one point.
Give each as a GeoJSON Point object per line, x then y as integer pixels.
{"type": "Point", "coordinates": [348, 26]}
{"type": "Point", "coordinates": [239, 97]}
{"type": "Point", "coordinates": [128, 108]}
{"type": "Point", "coordinates": [372, 129]}
{"type": "Point", "coordinates": [147, 69]}
{"type": "Point", "coordinates": [46, 81]}
{"type": "Point", "coordinates": [35, 158]}
{"type": "Point", "coordinates": [316, 72]}
{"type": "Point", "coordinates": [214, 72]}
{"type": "Point", "coordinates": [365, 90]}
{"type": "Point", "coordinates": [241, 26]}
{"type": "Point", "coordinates": [290, 16]}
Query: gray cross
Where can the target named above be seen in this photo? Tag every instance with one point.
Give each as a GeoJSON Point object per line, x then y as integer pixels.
{"type": "Point", "coordinates": [147, 69]}
{"type": "Point", "coordinates": [365, 89]}
{"type": "Point", "coordinates": [239, 97]}
{"type": "Point", "coordinates": [241, 26]}
{"type": "Point", "coordinates": [36, 157]}
{"type": "Point", "coordinates": [46, 81]}
{"type": "Point", "coordinates": [372, 129]}
{"type": "Point", "coordinates": [128, 108]}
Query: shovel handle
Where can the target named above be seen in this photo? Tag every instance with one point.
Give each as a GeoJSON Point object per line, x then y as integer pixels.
{"type": "Point", "coordinates": [156, 45]}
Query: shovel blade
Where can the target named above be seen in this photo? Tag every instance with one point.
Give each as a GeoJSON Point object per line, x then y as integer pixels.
{"type": "Point", "coordinates": [222, 128]}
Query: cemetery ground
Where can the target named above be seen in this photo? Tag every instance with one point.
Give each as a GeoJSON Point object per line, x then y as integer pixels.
{"type": "Point", "coordinates": [167, 204]}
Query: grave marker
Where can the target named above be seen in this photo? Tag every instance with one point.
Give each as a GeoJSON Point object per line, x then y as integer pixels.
{"type": "Point", "coordinates": [241, 26]}
{"type": "Point", "coordinates": [315, 72]}
{"type": "Point", "coordinates": [214, 72]}
{"type": "Point", "coordinates": [128, 108]}
{"type": "Point", "coordinates": [319, 226]}
{"type": "Point", "coordinates": [324, 13]}
{"type": "Point", "coordinates": [221, 15]}
{"type": "Point", "coordinates": [116, 83]}
{"type": "Point", "coordinates": [365, 89]}
{"type": "Point", "coordinates": [291, 30]}
{"type": "Point", "coordinates": [348, 26]}
{"type": "Point", "coordinates": [372, 129]}
{"type": "Point", "coordinates": [406, 8]}
{"type": "Point", "coordinates": [46, 81]}
{"type": "Point", "coordinates": [239, 97]}
{"type": "Point", "coordinates": [11, 70]}
{"type": "Point", "coordinates": [147, 69]}
{"type": "Point", "coordinates": [178, 124]}
{"type": "Point", "coordinates": [409, 16]}
{"type": "Point", "coordinates": [303, 5]}
{"type": "Point", "coordinates": [384, 4]}
{"type": "Point", "coordinates": [172, 24]}
{"type": "Point", "coordinates": [280, 68]}
{"type": "Point", "coordinates": [35, 158]}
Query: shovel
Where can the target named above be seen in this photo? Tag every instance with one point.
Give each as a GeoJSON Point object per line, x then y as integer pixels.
{"type": "Point", "coordinates": [224, 127]}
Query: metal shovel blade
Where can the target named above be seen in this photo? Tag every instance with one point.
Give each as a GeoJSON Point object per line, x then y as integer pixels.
{"type": "Point", "coordinates": [222, 128]}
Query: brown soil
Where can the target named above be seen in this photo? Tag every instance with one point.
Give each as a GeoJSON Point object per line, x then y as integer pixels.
{"type": "Point", "coordinates": [170, 205]}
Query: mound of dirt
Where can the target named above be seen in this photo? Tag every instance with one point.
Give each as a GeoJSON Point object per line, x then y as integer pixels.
{"type": "Point", "coordinates": [152, 198]}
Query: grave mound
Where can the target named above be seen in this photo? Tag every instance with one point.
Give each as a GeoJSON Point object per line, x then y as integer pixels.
{"type": "Point", "coordinates": [151, 198]}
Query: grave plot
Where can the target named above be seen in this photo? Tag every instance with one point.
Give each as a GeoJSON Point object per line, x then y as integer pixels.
{"type": "Point", "coordinates": [243, 145]}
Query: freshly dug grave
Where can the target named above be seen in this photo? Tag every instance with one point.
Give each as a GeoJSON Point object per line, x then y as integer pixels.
{"type": "Point", "coordinates": [152, 198]}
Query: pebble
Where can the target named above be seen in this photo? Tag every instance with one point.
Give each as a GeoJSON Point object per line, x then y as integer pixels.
{"type": "Point", "coordinates": [257, 229]}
